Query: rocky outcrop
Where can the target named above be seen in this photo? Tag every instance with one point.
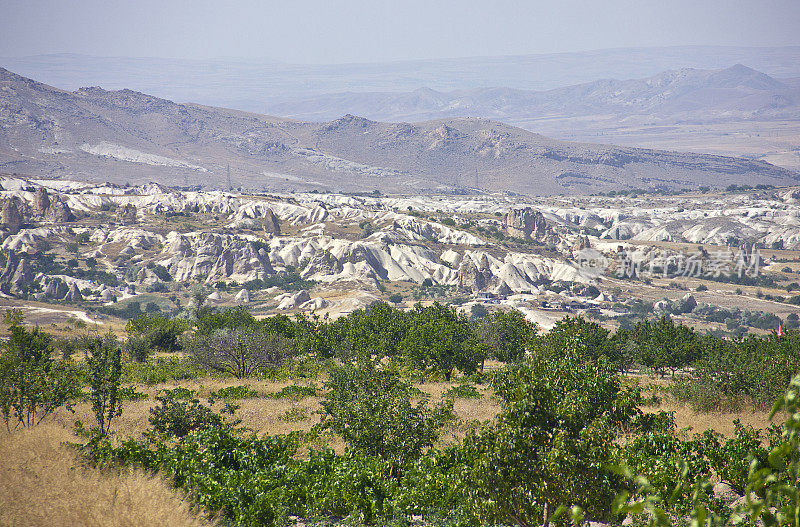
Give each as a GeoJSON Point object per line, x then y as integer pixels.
{"type": "Point", "coordinates": [243, 296]}
{"type": "Point", "coordinates": [74, 294]}
{"type": "Point", "coordinates": [271, 223]}
{"type": "Point", "coordinates": [581, 242]}
{"type": "Point", "coordinates": [11, 217]}
{"type": "Point", "coordinates": [59, 211]}
{"type": "Point", "coordinates": [725, 492]}
{"type": "Point", "coordinates": [215, 257]}
{"type": "Point", "coordinates": [473, 277]}
{"type": "Point", "coordinates": [292, 301]}
{"type": "Point", "coordinates": [54, 288]}
{"type": "Point", "coordinates": [23, 276]}
{"type": "Point", "coordinates": [526, 223]}
{"type": "Point", "coordinates": [41, 202]}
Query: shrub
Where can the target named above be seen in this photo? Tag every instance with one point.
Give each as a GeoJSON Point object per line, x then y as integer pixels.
{"type": "Point", "coordinates": [160, 370]}
{"type": "Point", "coordinates": [32, 383]}
{"type": "Point", "coordinates": [105, 370]}
{"type": "Point", "coordinates": [129, 393]}
{"type": "Point", "coordinates": [462, 391]}
{"type": "Point", "coordinates": [552, 442]}
{"type": "Point", "coordinates": [137, 349]}
{"type": "Point", "coordinates": [158, 331]}
{"type": "Point", "coordinates": [294, 414]}
{"type": "Point", "coordinates": [296, 392]}
{"type": "Point", "coordinates": [178, 393]}
{"type": "Point", "coordinates": [235, 392]}
{"type": "Point", "coordinates": [178, 418]}
{"type": "Point", "coordinates": [371, 411]}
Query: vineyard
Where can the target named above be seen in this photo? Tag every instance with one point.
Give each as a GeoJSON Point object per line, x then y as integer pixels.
{"type": "Point", "coordinates": [391, 417]}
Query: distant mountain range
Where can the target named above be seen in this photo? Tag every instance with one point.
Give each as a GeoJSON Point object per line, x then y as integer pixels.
{"type": "Point", "coordinates": [250, 85]}
{"type": "Point", "coordinates": [126, 136]}
{"type": "Point", "coordinates": [681, 96]}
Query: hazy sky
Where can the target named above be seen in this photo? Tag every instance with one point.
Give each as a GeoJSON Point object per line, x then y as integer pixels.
{"type": "Point", "coordinates": [330, 31]}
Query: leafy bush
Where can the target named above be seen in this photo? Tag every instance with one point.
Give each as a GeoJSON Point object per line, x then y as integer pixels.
{"type": "Point", "coordinates": [668, 464]}
{"type": "Point", "coordinates": [294, 414]}
{"type": "Point", "coordinates": [463, 391]}
{"type": "Point", "coordinates": [295, 392]}
{"type": "Point", "coordinates": [129, 393]}
{"type": "Point", "coordinates": [178, 418]}
{"type": "Point", "coordinates": [235, 392]}
{"type": "Point", "coordinates": [159, 371]}
{"type": "Point", "coordinates": [105, 370]}
{"type": "Point", "coordinates": [731, 459]}
{"type": "Point", "coordinates": [32, 383]}
{"type": "Point", "coordinates": [158, 331]}
{"type": "Point", "coordinates": [552, 442]}
{"type": "Point", "coordinates": [179, 393]}
{"type": "Point", "coordinates": [371, 411]}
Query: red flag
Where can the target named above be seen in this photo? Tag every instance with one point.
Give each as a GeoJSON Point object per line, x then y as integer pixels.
{"type": "Point", "coordinates": [780, 330]}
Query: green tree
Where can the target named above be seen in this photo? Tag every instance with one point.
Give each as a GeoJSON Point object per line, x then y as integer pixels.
{"type": "Point", "coordinates": [442, 340]}
{"type": "Point", "coordinates": [552, 442]}
{"type": "Point", "coordinates": [507, 335]}
{"type": "Point", "coordinates": [105, 370]}
{"type": "Point", "coordinates": [32, 383]}
{"type": "Point", "coordinates": [13, 317]}
{"type": "Point", "coordinates": [160, 333]}
{"type": "Point", "coordinates": [371, 410]}
{"type": "Point", "coordinates": [579, 339]}
{"type": "Point", "coordinates": [664, 345]}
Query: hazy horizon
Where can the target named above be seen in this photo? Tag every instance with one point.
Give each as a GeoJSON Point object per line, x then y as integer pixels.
{"type": "Point", "coordinates": [354, 32]}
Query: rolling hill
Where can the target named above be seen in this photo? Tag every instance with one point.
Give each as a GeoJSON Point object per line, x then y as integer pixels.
{"type": "Point", "coordinates": [126, 136]}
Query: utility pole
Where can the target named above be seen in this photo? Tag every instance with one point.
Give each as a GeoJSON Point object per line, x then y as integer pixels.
{"type": "Point", "coordinates": [230, 185]}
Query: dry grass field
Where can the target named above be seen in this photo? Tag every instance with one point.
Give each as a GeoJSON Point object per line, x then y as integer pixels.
{"type": "Point", "coordinates": [43, 482]}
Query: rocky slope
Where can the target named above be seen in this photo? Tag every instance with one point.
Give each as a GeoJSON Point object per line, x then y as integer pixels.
{"type": "Point", "coordinates": [126, 136]}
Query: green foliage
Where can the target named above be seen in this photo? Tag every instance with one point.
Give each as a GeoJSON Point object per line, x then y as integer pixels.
{"type": "Point", "coordinates": [105, 370]}
{"type": "Point", "coordinates": [771, 487]}
{"type": "Point", "coordinates": [371, 410]}
{"type": "Point", "coordinates": [32, 383]}
{"type": "Point", "coordinates": [664, 345]}
{"type": "Point", "coordinates": [289, 281]}
{"type": "Point", "coordinates": [178, 393]}
{"type": "Point", "coordinates": [294, 414]}
{"type": "Point", "coordinates": [578, 339]}
{"type": "Point", "coordinates": [235, 392]}
{"type": "Point", "coordinates": [13, 317]}
{"type": "Point", "coordinates": [179, 418]}
{"type": "Point", "coordinates": [294, 391]}
{"type": "Point", "coordinates": [552, 442]}
{"type": "Point", "coordinates": [235, 318]}
{"type": "Point", "coordinates": [462, 391]}
{"type": "Point", "coordinates": [159, 371]}
{"type": "Point", "coordinates": [129, 393]}
{"type": "Point", "coordinates": [729, 372]}
{"type": "Point", "coordinates": [507, 335]}
{"type": "Point", "coordinates": [731, 459]}
{"type": "Point", "coordinates": [160, 333]}
{"type": "Point", "coordinates": [442, 340]}
{"type": "Point", "coordinates": [670, 465]}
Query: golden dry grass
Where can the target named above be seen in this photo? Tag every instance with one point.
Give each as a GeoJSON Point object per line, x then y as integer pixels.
{"type": "Point", "coordinates": [42, 482]}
